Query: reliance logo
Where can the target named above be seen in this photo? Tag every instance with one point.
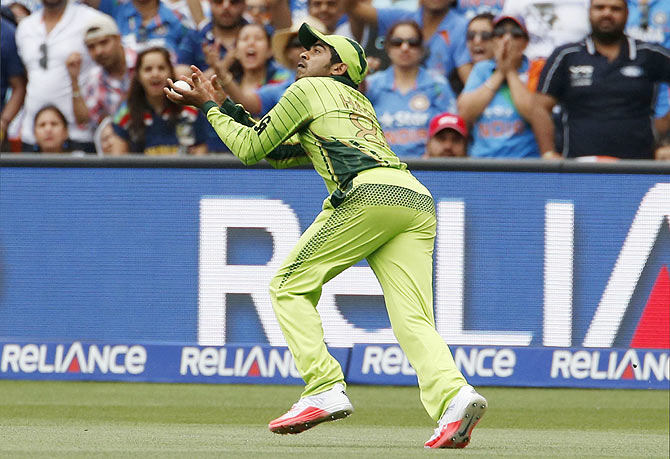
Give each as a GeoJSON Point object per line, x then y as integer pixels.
{"type": "Point", "coordinates": [74, 358]}
{"type": "Point", "coordinates": [611, 365]}
{"type": "Point", "coordinates": [249, 362]}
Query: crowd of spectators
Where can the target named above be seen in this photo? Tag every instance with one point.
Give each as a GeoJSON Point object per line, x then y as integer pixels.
{"type": "Point", "coordinates": [449, 78]}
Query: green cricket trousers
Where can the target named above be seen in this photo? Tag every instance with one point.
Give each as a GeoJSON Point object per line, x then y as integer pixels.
{"type": "Point", "coordinates": [388, 217]}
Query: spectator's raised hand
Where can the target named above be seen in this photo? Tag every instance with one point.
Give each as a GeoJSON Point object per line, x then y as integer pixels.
{"type": "Point", "coordinates": [516, 49]}
{"type": "Point", "coordinates": [211, 52]}
{"type": "Point", "coordinates": [222, 66]}
{"type": "Point", "coordinates": [505, 56]}
{"type": "Point", "coordinates": [73, 65]}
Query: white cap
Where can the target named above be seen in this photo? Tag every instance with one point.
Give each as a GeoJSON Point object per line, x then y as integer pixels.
{"type": "Point", "coordinates": [102, 25]}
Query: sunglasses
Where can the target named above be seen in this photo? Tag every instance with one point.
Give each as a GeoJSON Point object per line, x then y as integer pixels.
{"type": "Point", "coordinates": [44, 58]}
{"type": "Point", "coordinates": [232, 2]}
{"type": "Point", "coordinates": [257, 9]}
{"type": "Point", "coordinates": [516, 32]}
{"type": "Point", "coordinates": [485, 36]}
{"type": "Point", "coordinates": [411, 42]}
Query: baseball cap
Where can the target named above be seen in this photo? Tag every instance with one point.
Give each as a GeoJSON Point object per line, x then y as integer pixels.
{"type": "Point", "coordinates": [447, 121]}
{"type": "Point", "coordinates": [100, 26]}
{"type": "Point", "coordinates": [518, 20]}
{"type": "Point", "coordinates": [281, 39]}
{"type": "Point", "coordinates": [350, 52]}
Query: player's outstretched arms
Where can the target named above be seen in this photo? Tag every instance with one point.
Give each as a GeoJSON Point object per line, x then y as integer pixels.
{"type": "Point", "coordinates": [251, 144]}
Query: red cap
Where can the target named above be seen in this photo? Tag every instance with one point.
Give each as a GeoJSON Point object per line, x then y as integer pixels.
{"type": "Point", "coordinates": [447, 121]}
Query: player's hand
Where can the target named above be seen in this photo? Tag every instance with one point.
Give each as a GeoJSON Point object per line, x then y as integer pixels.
{"type": "Point", "coordinates": [218, 92]}
{"type": "Point", "coordinates": [195, 96]}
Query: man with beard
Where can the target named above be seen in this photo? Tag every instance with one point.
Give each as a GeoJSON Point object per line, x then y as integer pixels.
{"type": "Point", "coordinates": [105, 86]}
{"type": "Point", "coordinates": [213, 39]}
{"type": "Point", "coordinates": [606, 86]}
{"type": "Point", "coordinates": [211, 43]}
{"type": "Point", "coordinates": [44, 41]}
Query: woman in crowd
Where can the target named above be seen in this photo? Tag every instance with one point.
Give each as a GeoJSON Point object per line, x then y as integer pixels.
{"type": "Point", "coordinates": [286, 49]}
{"type": "Point", "coordinates": [496, 100]}
{"type": "Point", "coordinates": [50, 128]}
{"type": "Point", "coordinates": [406, 95]}
{"type": "Point", "coordinates": [244, 70]}
{"type": "Point", "coordinates": [479, 37]}
{"type": "Point", "coordinates": [479, 40]}
{"type": "Point", "coordinates": [251, 65]}
{"type": "Point", "coordinates": [148, 122]}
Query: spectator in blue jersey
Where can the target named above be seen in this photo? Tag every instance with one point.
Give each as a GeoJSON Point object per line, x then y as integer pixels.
{"type": "Point", "coordinates": [148, 23]}
{"type": "Point", "coordinates": [406, 95]}
{"type": "Point", "coordinates": [246, 69]}
{"type": "Point", "coordinates": [252, 65]}
{"type": "Point", "coordinates": [496, 100]}
{"type": "Point", "coordinates": [13, 79]}
{"type": "Point", "coordinates": [148, 122]}
{"type": "Point", "coordinates": [471, 8]}
{"type": "Point", "coordinates": [443, 29]}
{"type": "Point", "coordinates": [479, 39]}
{"type": "Point", "coordinates": [331, 13]}
{"type": "Point", "coordinates": [649, 20]}
{"type": "Point", "coordinates": [216, 38]}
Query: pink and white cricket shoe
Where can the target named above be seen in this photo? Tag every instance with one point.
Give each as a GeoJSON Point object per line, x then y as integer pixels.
{"type": "Point", "coordinates": [312, 410]}
{"type": "Point", "coordinates": [461, 416]}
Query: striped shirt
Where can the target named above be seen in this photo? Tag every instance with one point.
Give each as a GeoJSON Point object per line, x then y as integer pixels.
{"type": "Point", "coordinates": [319, 120]}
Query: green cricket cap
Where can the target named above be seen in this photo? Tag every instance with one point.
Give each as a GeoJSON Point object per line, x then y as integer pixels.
{"type": "Point", "coordinates": [349, 51]}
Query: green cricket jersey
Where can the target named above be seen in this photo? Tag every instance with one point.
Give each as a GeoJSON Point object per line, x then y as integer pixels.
{"type": "Point", "coordinates": [321, 120]}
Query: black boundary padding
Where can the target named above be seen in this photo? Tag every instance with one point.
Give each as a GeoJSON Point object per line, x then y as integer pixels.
{"type": "Point", "coordinates": [226, 161]}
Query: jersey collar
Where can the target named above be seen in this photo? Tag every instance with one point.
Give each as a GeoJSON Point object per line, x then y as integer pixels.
{"type": "Point", "coordinates": [344, 80]}
{"type": "Point", "coordinates": [629, 44]}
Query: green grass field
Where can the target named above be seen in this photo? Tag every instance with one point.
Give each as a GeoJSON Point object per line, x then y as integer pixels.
{"type": "Point", "coordinates": [73, 419]}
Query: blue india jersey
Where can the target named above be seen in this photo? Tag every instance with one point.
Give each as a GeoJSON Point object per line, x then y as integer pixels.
{"type": "Point", "coordinates": [500, 131]}
{"type": "Point", "coordinates": [652, 26]}
{"type": "Point", "coordinates": [405, 117]}
{"type": "Point", "coordinates": [447, 49]}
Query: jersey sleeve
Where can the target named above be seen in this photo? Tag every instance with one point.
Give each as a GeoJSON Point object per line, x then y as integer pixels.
{"type": "Point", "coordinates": [253, 143]}
{"type": "Point", "coordinates": [660, 65]}
{"type": "Point", "coordinates": [552, 78]}
{"type": "Point", "coordinates": [477, 77]}
{"type": "Point", "coordinates": [121, 121]}
{"type": "Point", "coordinates": [189, 51]}
{"type": "Point", "coordinates": [459, 45]}
{"type": "Point", "coordinates": [288, 154]}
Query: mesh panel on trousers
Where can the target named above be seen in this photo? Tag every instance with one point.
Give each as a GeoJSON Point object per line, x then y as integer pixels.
{"type": "Point", "coordinates": [365, 195]}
